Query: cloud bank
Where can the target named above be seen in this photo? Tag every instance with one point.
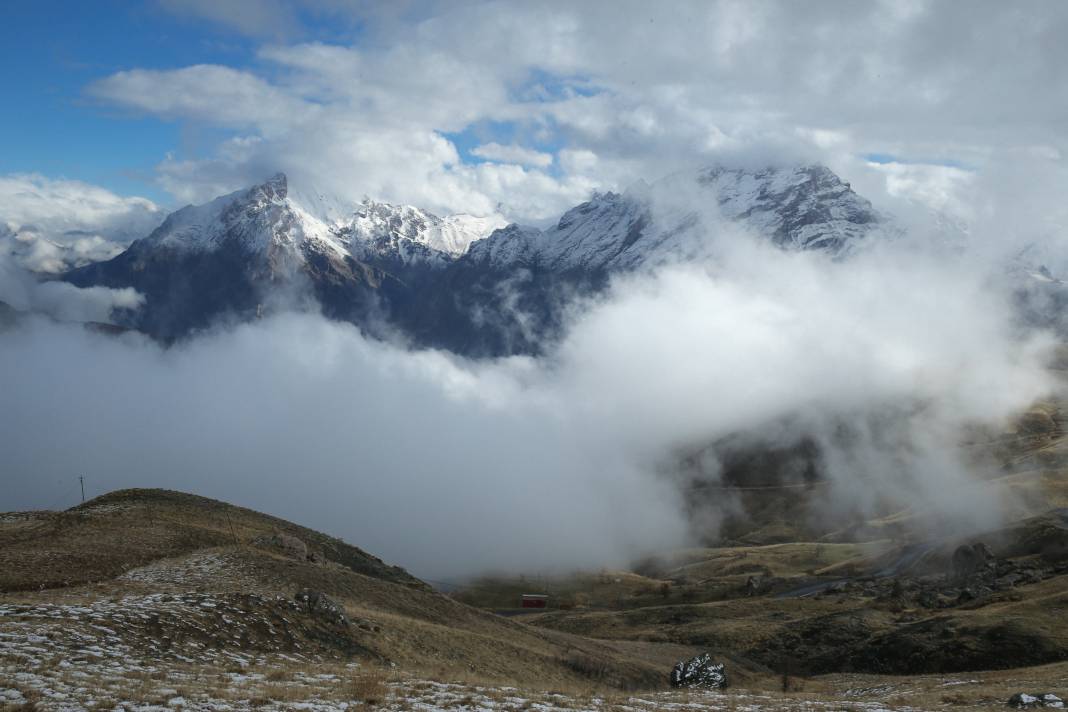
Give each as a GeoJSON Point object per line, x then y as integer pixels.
{"type": "Point", "coordinates": [451, 467]}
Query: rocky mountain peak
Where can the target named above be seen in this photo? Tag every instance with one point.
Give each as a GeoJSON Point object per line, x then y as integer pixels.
{"type": "Point", "coordinates": [440, 278]}
{"type": "Point", "coordinates": [274, 189]}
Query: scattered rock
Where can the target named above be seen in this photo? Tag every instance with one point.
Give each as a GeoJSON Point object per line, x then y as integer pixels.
{"type": "Point", "coordinates": [1010, 580]}
{"type": "Point", "coordinates": [700, 672]}
{"type": "Point", "coordinates": [1024, 701]}
{"type": "Point", "coordinates": [1031, 576]}
{"type": "Point", "coordinates": [319, 604]}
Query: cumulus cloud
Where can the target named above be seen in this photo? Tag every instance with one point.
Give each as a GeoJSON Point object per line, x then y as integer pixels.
{"type": "Point", "coordinates": [50, 225]}
{"type": "Point", "coordinates": [919, 80]}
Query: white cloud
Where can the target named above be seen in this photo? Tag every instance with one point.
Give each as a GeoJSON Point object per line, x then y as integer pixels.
{"type": "Point", "coordinates": [51, 225]}
{"type": "Point", "coordinates": [642, 89]}
{"type": "Point", "coordinates": [513, 154]}
{"type": "Point", "coordinates": [939, 188]}
{"type": "Point", "coordinates": [205, 92]}
{"type": "Point", "coordinates": [60, 300]}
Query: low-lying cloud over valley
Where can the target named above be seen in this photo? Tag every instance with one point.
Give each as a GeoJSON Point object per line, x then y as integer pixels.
{"type": "Point", "coordinates": [452, 466]}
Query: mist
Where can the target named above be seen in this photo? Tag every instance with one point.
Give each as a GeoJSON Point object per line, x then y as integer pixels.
{"type": "Point", "coordinates": [25, 292]}
{"type": "Point", "coordinates": [451, 467]}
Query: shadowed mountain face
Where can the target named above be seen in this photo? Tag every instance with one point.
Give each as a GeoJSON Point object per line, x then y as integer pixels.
{"type": "Point", "coordinates": [451, 282]}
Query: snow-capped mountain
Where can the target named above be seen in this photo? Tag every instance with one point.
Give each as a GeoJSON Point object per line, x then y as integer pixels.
{"type": "Point", "coordinates": [805, 207]}
{"type": "Point", "coordinates": [465, 283]}
{"type": "Point", "coordinates": [264, 219]}
{"type": "Point", "coordinates": [260, 221]}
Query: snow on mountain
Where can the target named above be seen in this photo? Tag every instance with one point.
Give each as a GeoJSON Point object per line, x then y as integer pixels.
{"type": "Point", "coordinates": [804, 207]}
{"type": "Point", "coordinates": [265, 218]}
{"type": "Point", "coordinates": [440, 280]}
{"type": "Point", "coordinates": [410, 234]}
{"type": "Point", "coordinates": [259, 220]}
{"type": "Point", "coordinates": [510, 246]}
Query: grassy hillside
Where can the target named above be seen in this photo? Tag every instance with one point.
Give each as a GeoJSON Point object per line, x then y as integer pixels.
{"type": "Point", "coordinates": [213, 583]}
{"type": "Point", "coordinates": [111, 534]}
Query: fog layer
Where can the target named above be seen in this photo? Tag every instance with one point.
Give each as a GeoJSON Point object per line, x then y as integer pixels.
{"type": "Point", "coordinates": [450, 467]}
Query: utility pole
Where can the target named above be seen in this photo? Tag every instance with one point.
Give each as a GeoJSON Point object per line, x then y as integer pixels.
{"type": "Point", "coordinates": [231, 523]}
{"type": "Point", "coordinates": [81, 481]}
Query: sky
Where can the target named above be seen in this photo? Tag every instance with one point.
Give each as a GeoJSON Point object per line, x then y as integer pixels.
{"type": "Point", "coordinates": [943, 114]}
{"type": "Point", "coordinates": [518, 108]}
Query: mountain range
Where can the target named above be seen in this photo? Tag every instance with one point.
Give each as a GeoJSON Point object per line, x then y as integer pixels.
{"type": "Point", "coordinates": [468, 284]}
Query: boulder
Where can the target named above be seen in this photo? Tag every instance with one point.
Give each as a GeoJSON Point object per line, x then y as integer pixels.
{"type": "Point", "coordinates": [292, 546]}
{"type": "Point", "coordinates": [1024, 701]}
{"type": "Point", "coordinates": [285, 544]}
{"type": "Point", "coordinates": [699, 672]}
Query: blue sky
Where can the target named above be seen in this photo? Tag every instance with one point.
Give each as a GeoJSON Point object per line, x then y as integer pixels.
{"type": "Point", "coordinates": [53, 127]}
{"type": "Point", "coordinates": [58, 48]}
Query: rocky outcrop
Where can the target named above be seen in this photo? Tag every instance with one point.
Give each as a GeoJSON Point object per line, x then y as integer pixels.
{"type": "Point", "coordinates": [322, 606]}
{"type": "Point", "coordinates": [970, 559]}
{"type": "Point", "coordinates": [699, 672]}
{"type": "Point", "coordinates": [1024, 701]}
